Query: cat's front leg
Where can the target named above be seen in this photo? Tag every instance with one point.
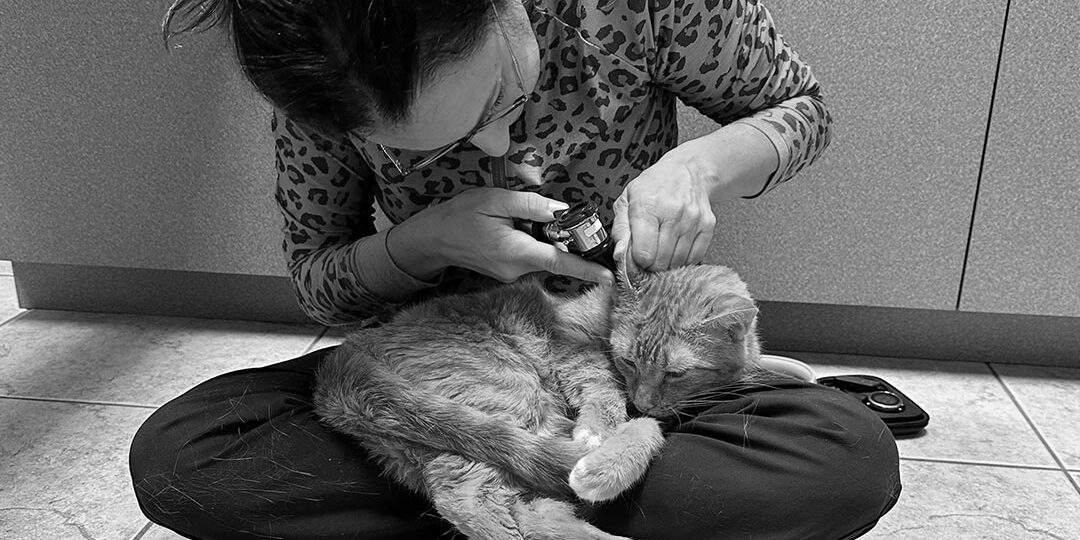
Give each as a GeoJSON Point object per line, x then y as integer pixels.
{"type": "Point", "coordinates": [620, 450]}
{"type": "Point", "coordinates": [597, 420]}
{"type": "Point", "coordinates": [591, 388]}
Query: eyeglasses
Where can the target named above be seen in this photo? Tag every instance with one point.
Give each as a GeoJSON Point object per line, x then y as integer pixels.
{"type": "Point", "coordinates": [405, 170]}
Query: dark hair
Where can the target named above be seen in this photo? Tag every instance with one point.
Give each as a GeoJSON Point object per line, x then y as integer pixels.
{"type": "Point", "coordinates": [340, 65]}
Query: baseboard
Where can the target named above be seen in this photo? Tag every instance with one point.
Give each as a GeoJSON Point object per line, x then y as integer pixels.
{"type": "Point", "coordinates": [785, 326]}
{"type": "Point", "coordinates": [156, 292]}
{"type": "Point", "coordinates": [921, 333]}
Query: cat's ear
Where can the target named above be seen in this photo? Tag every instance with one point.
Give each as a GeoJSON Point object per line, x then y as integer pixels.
{"type": "Point", "coordinates": [628, 274]}
{"type": "Point", "coordinates": [734, 315]}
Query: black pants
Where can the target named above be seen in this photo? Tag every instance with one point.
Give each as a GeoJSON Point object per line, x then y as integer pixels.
{"type": "Point", "coordinates": [243, 456]}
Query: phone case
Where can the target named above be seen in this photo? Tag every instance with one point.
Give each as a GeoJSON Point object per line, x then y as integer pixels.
{"type": "Point", "coordinates": [902, 415]}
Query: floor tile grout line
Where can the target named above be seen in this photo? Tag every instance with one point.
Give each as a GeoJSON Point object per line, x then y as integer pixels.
{"type": "Point", "coordinates": [976, 463]}
{"type": "Point", "coordinates": [142, 532]}
{"type": "Point", "coordinates": [79, 401]}
{"type": "Point", "coordinates": [14, 318]}
{"type": "Point", "coordinates": [1038, 433]}
{"type": "Point", "coordinates": [1072, 480]}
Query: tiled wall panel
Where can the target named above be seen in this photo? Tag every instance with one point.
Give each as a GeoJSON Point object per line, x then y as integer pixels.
{"type": "Point", "coordinates": [1025, 246]}
{"type": "Point", "coordinates": [882, 219]}
{"type": "Point", "coordinates": [116, 152]}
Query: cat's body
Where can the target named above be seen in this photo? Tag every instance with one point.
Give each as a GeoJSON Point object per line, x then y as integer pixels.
{"type": "Point", "coordinates": [504, 404]}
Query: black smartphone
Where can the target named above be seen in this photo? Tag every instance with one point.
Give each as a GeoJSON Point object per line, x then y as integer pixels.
{"type": "Point", "coordinates": [902, 415]}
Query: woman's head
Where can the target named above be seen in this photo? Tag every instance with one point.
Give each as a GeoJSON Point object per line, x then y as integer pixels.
{"type": "Point", "coordinates": [342, 65]}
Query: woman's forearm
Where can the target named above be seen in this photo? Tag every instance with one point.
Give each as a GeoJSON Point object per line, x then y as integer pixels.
{"type": "Point", "coordinates": [736, 160]}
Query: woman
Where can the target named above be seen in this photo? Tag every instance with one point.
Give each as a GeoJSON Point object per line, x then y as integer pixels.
{"type": "Point", "coordinates": [462, 119]}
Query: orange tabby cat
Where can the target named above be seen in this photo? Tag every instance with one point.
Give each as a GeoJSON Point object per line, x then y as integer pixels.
{"type": "Point", "coordinates": [507, 407]}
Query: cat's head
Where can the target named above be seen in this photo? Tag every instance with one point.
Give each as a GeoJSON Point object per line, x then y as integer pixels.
{"type": "Point", "coordinates": [680, 334]}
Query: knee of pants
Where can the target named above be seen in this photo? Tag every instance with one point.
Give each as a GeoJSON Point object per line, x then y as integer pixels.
{"type": "Point", "coordinates": [242, 456]}
{"type": "Point", "coordinates": [808, 463]}
{"type": "Point", "coordinates": [159, 469]}
{"type": "Point", "coordinates": [837, 466]}
{"type": "Point", "coordinates": [845, 470]}
{"type": "Point", "coordinates": [185, 460]}
{"type": "Point", "coordinates": [187, 465]}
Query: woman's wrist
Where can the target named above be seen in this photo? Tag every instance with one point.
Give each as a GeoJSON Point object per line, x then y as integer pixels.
{"type": "Point", "coordinates": [412, 247]}
{"type": "Point", "coordinates": [734, 161]}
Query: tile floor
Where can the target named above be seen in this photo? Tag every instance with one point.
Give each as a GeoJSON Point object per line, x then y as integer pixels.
{"type": "Point", "coordinates": [1000, 460]}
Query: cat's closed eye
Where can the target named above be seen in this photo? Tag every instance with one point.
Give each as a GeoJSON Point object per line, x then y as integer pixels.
{"type": "Point", "coordinates": [623, 362]}
{"type": "Point", "coordinates": [676, 374]}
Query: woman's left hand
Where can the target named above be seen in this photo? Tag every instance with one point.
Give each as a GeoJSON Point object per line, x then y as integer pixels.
{"type": "Point", "coordinates": [667, 212]}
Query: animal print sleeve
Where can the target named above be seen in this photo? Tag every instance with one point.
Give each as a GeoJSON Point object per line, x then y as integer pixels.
{"type": "Point", "coordinates": [338, 261]}
{"type": "Point", "coordinates": [726, 59]}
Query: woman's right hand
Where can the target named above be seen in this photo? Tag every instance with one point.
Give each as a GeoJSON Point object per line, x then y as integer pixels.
{"type": "Point", "coordinates": [475, 230]}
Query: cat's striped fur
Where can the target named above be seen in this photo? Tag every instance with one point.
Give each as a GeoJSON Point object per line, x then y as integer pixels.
{"type": "Point", "coordinates": [505, 408]}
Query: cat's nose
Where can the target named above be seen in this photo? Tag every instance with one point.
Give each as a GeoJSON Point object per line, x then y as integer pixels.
{"type": "Point", "coordinates": [645, 400]}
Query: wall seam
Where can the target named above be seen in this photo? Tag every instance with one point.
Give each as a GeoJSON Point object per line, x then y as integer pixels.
{"type": "Point", "coordinates": [982, 157]}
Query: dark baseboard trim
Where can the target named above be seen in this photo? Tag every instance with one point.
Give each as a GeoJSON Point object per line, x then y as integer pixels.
{"type": "Point", "coordinates": [784, 326]}
{"type": "Point", "coordinates": [921, 333]}
{"type": "Point", "coordinates": [144, 291]}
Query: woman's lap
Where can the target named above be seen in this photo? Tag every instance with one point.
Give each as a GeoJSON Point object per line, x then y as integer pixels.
{"type": "Point", "coordinates": [244, 452]}
{"type": "Point", "coordinates": [790, 460]}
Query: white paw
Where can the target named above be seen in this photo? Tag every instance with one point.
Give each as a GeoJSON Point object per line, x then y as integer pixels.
{"type": "Point", "coordinates": [591, 440]}
{"type": "Point", "coordinates": [590, 484]}
{"type": "Point", "coordinates": [619, 462]}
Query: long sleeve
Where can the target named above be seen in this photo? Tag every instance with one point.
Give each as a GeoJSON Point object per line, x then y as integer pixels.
{"type": "Point", "coordinates": [339, 265]}
{"type": "Point", "coordinates": [727, 60]}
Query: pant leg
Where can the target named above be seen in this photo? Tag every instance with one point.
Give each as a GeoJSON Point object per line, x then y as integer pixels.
{"type": "Point", "coordinates": [785, 461]}
{"type": "Point", "coordinates": [242, 455]}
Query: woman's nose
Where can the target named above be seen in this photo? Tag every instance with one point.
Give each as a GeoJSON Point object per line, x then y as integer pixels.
{"type": "Point", "coordinates": [493, 140]}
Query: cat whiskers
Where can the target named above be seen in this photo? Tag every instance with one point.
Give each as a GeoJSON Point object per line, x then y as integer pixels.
{"type": "Point", "coordinates": [715, 396]}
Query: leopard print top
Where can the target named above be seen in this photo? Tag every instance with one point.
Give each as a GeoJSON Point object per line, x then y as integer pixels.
{"type": "Point", "coordinates": [602, 111]}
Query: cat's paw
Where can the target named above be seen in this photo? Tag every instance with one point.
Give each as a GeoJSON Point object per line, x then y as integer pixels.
{"type": "Point", "coordinates": [591, 439]}
{"type": "Point", "coordinates": [619, 461]}
{"type": "Point", "coordinates": [590, 483]}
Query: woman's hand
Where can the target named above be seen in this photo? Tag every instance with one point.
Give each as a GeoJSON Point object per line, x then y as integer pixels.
{"type": "Point", "coordinates": [475, 230]}
{"type": "Point", "coordinates": [667, 212]}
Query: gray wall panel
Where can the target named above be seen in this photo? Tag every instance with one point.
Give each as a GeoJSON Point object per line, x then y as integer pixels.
{"type": "Point", "coordinates": [116, 152]}
{"type": "Point", "coordinates": [1025, 247]}
{"type": "Point", "coordinates": [882, 219]}
{"type": "Point", "coordinates": [119, 154]}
